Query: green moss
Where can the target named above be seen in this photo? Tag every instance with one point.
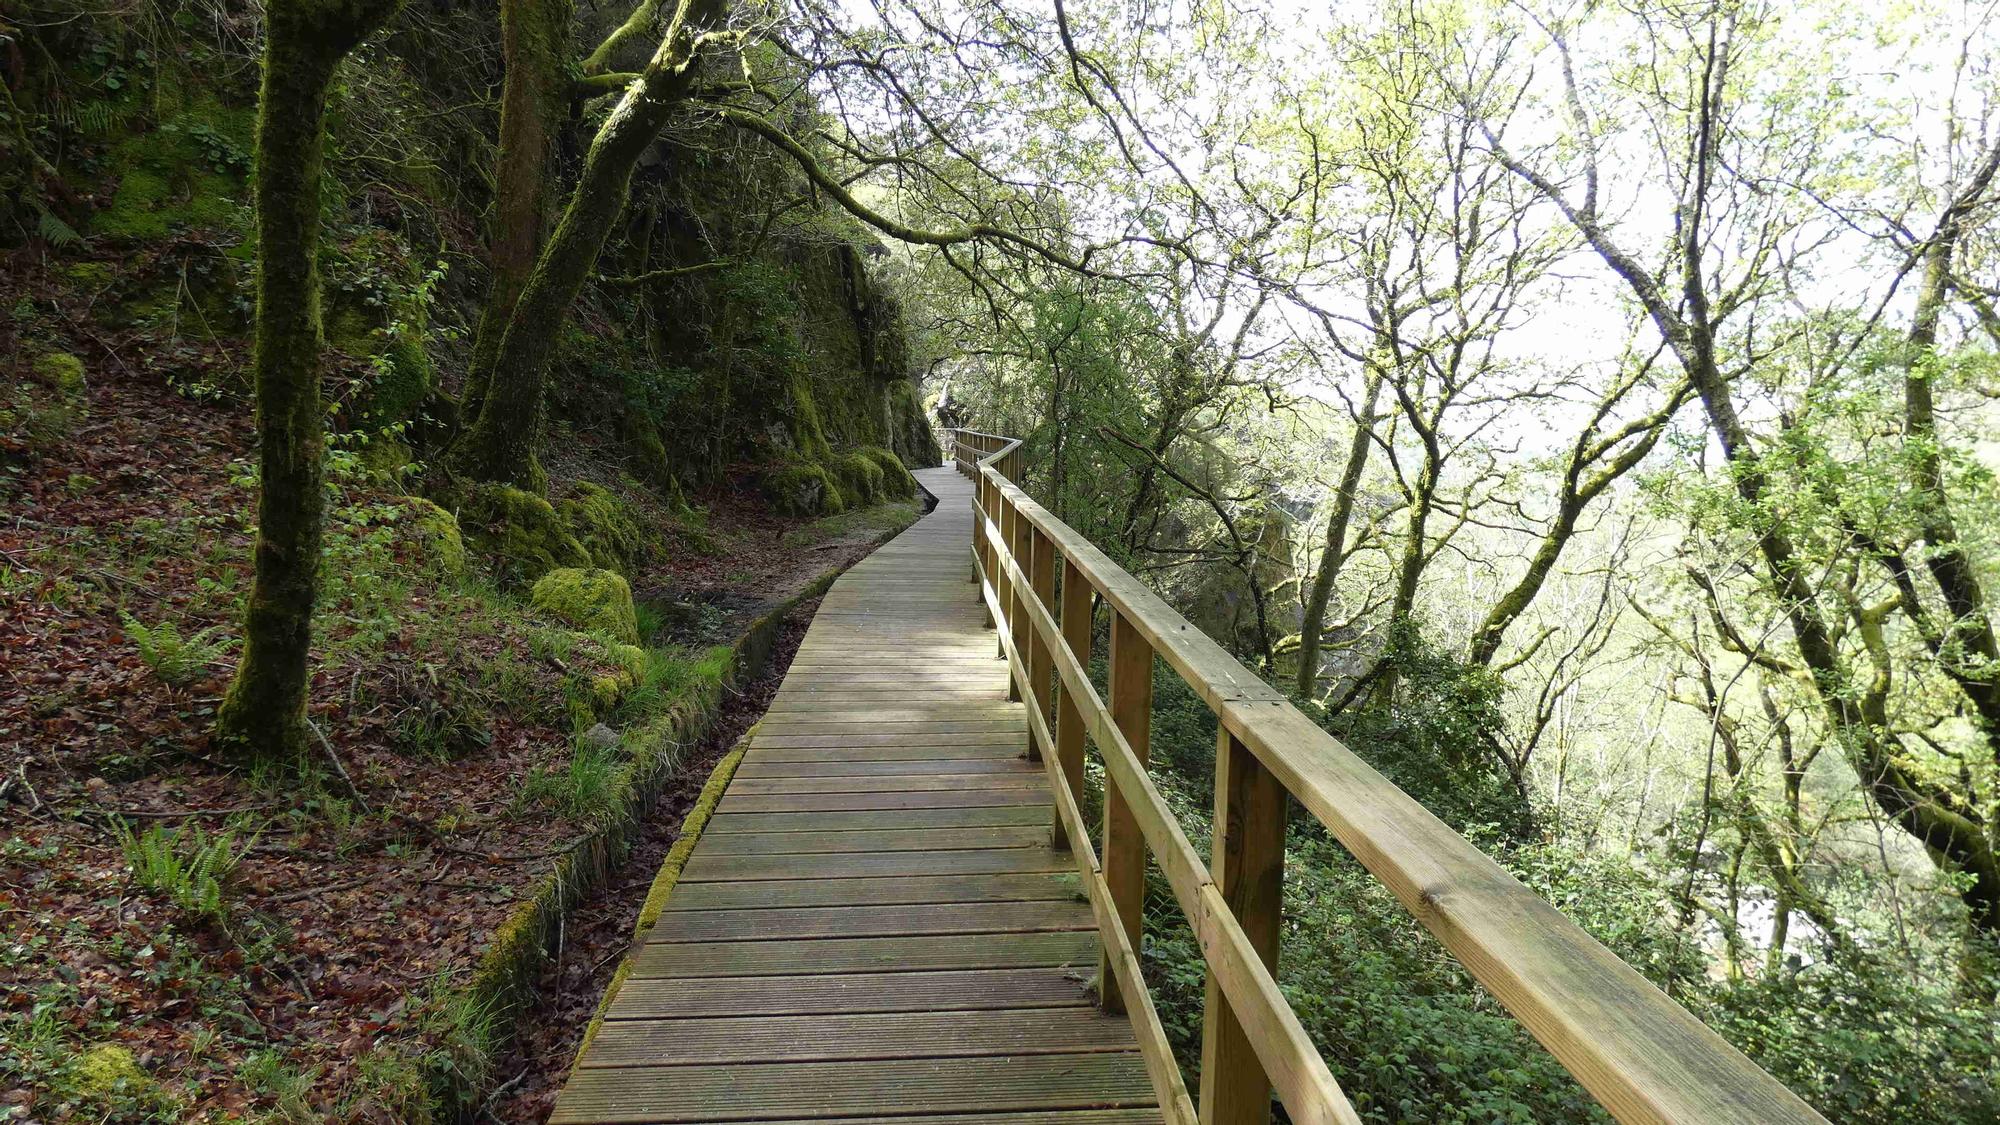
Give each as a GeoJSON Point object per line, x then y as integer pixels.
{"type": "Point", "coordinates": [807, 429]}
{"type": "Point", "coordinates": [897, 483]}
{"type": "Point", "coordinates": [106, 1068]}
{"type": "Point", "coordinates": [87, 275]}
{"type": "Point", "coordinates": [631, 658]}
{"type": "Point", "coordinates": [187, 174]}
{"type": "Point", "coordinates": [520, 531]}
{"type": "Point", "coordinates": [37, 414]}
{"type": "Point", "coordinates": [595, 600]}
{"type": "Point", "coordinates": [803, 488]}
{"type": "Point", "coordinates": [601, 523]}
{"type": "Point", "coordinates": [859, 477]}
{"type": "Point", "coordinates": [62, 372]}
{"type": "Point", "coordinates": [691, 829]}
{"type": "Point", "coordinates": [435, 532]}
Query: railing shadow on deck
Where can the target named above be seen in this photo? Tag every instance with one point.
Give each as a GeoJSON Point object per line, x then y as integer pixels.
{"type": "Point", "coordinates": [1640, 1054]}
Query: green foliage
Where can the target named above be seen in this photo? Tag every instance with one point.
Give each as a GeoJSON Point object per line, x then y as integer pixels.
{"type": "Point", "coordinates": [583, 790]}
{"type": "Point", "coordinates": [175, 659]}
{"type": "Point", "coordinates": [1435, 739]}
{"type": "Point", "coordinates": [1862, 1044]}
{"type": "Point", "coordinates": [37, 414]}
{"type": "Point", "coordinates": [186, 865]}
{"type": "Point", "coordinates": [186, 175]}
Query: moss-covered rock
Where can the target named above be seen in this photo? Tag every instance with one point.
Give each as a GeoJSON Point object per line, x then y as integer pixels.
{"type": "Point", "coordinates": [436, 535]}
{"type": "Point", "coordinates": [602, 524]}
{"type": "Point", "coordinates": [803, 488]}
{"type": "Point", "coordinates": [520, 531]}
{"type": "Point", "coordinates": [62, 373]}
{"type": "Point", "coordinates": [859, 477]}
{"type": "Point", "coordinates": [36, 414]}
{"type": "Point", "coordinates": [592, 599]}
{"type": "Point", "coordinates": [897, 483]}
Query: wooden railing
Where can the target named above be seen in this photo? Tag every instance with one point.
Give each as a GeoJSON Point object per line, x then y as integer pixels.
{"type": "Point", "coordinates": [1638, 1052]}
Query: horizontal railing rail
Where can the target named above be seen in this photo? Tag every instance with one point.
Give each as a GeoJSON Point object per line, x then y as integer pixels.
{"type": "Point", "coordinates": [1640, 1054]}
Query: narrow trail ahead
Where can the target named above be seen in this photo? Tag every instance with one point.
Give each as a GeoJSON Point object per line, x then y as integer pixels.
{"type": "Point", "coordinates": [874, 923]}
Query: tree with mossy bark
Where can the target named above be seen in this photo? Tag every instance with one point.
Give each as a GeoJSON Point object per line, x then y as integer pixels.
{"type": "Point", "coordinates": [502, 434]}
{"type": "Point", "coordinates": [264, 713]}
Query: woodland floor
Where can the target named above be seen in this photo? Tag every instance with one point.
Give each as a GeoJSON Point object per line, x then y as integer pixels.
{"type": "Point", "coordinates": [365, 884]}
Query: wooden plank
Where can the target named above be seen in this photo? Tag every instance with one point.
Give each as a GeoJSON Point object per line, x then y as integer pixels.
{"type": "Point", "coordinates": [814, 993]}
{"type": "Point", "coordinates": [873, 840]}
{"type": "Point", "coordinates": [783, 725]}
{"type": "Point", "coordinates": [706, 866]}
{"type": "Point", "coordinates": [943, 712]}
{"type": "Point", "coordinates": [871, 921]}
{"type": "Point", "coordinates": [1002, 750]}
{"type": "Point", "coordinates": [1148, 1116]}
{"type": "Point", "coordinates": [763, 786]}
{"type": "Point", "coordinates": [883, 890]}
{"type": "Point", "coordinates": [837, 1089]}
{"type": "Point", "coordinates": [995, 816]}
{"type": "Point", "coordinates": [764, 740]}
{"type": "Point", "coordinates": [864, 955]}
{"type": "Point", "coordinates": [753, 1039]}
{"type": "Point", "coordinates": [916, 799]}
{"type": "Point", "coordinates": [756, 766]}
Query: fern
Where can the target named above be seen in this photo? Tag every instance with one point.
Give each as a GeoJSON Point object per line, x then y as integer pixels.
{"type": "Point", "coordinates": [187, 865]}
{"type": "Point", "coordinates": [54, 231]}
{"type": "Point", "coordinates": [173, 658]}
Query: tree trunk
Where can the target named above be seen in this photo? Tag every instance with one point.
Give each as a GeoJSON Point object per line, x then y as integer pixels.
{"type": "Point", "coordinates": [1336, 539]}
{"type": "Point", "coordinates": [502, 442]}
{"type": "Point", "coordinates": [534, 99]}
{"type": "Point", "coordinates": [264, 712]}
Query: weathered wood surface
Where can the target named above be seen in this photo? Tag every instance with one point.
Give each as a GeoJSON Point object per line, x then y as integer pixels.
{"type": "Point", "coordinates": [874, 924]}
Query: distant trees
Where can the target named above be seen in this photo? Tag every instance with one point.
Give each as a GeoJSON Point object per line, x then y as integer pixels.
{"type": "Point", "coordinates": [1834, 556]}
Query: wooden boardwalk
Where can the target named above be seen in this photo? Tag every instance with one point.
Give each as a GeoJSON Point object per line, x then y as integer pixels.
{"type": "Point", "coordinates": [874, 924]}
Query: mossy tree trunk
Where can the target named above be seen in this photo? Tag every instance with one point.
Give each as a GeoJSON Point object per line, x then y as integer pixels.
{"type": "Point", "coordinates": [501, 443]}
{"type": "Point", "coordinates": [1335, 552]}
{"type": "Point", "coordinates": [263, 714]}
{"type": "Point", "coordinates": [534, 100]}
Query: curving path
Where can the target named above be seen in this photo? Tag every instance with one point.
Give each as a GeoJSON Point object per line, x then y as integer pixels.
{"type": "Point", "coordinates": [873, 924]}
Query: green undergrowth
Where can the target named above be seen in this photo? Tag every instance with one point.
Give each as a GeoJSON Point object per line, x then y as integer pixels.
{"type": "Point", "coordinates": [892, 516]}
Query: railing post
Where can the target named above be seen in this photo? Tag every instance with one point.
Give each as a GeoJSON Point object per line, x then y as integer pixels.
{"type": "Point", "coordinates": [1248, 865]}
{"type": "Point", "coordinates": [1003, 586]}
{"type": "Point", "coordinates": [978, 520]}
{"type": "Point", "coordinates": [1069, 718]}
{"type": "Point", "coordinates": [1124, 846]}
{"type": "Point", "coordinates": [1020, 540]}
{"type": "Point", "coordinates": [1042, 586]}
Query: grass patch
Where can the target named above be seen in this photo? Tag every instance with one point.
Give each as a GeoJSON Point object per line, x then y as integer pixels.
{"type": "Point", "coordinates": [893, 516]}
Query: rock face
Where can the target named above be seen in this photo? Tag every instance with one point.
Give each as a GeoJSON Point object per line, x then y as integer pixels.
{"type": "Point", "coordinates": [593, 600]}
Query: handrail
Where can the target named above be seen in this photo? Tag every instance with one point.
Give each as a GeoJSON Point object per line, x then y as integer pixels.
{"type": "Point", "coordinates": [1640, 1054]}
